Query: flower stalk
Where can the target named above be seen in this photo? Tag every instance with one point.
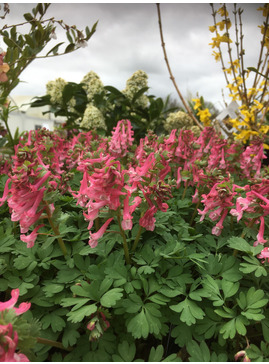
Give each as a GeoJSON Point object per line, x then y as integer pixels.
{"type": "Point", "coordinates": [125, 245]}
{"type": "Point", "coordinates": [55, 230]}
{"type": "Point", "coordinates": [137, 238]}
{"type": "Point", "coordinates": [55, 344]}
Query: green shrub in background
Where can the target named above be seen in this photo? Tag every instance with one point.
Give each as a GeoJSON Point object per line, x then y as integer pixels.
{"type": "Point", "coordinates": [90, 105]}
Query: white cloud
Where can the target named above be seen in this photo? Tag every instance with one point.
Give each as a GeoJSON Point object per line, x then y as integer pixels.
{"type": "Point", "coordinates": [127, 39]}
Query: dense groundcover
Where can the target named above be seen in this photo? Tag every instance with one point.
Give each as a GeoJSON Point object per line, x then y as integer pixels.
{"type": "Point", "coordinates": [116, 251]}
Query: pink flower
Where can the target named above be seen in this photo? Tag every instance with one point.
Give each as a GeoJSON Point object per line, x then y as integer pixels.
{"type": "Point", "coordinates": [31, 238]}
{"type": "Point", "coordinates": [264, 254]}
{"type": "Point", "coordinates": [179, 178]}
{"type": "Point", "coordinates": [122, 138]}
{"type": "Point", "coordinates": [148, 220]}
{"type": "Point", "coordinates": [219, 226]}
{"type": "Point", "coordinates": [217, 202]}
{"type": "Point", "coordinates": [195, 197]}
{"type": "Point", "coordinates": [243, 354]}
{"type": "Point", "coordinates": [127, 217]}
{"type": "Point", "coordinates": [9, 341]}
{"type": "Point", "coordinates": [260, 239]}
{"type": "Point", "coordinates": [128, 211]}
{"type": "Point", "coordinates": [95, 236]}
{"type": "Point", "coordinates": [242, 204]}
{"type": "Point", "coordinates": [91, 325]}
{"type": "Point", "coordinates": [222, 164]}
{"type": "Point", "coordinates": [23, 307]}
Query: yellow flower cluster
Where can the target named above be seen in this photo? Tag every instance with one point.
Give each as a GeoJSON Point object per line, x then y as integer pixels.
{"type": "Point", "coordinates": [254, 100]}
{"type": "Point", "coordinates": [220, 39]}
{"type": "Point", "coordinates": [223, 11]}
{"type": "Point", "coordinates": [265, 30]}
{"type": "Point", "coordinates": [247, 124]}
{"type": "Point", "coordinates": [203, 113]}
{"type": "Point", "coordinates": [134, 84]}
{"type": "Point", "coordinates": [235, 66]}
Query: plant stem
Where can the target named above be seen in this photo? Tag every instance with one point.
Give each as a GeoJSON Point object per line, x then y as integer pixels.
{"type": "Point", "coordinates": [195, 210]}
{"type": "Point", "coordinates": [137, 238]}
{"type": "Point", "coordinates": [56, 230]}
{"type": "Point", "coordinates": [125, 245]}
{"type": "Point", "coordinates": [53, 343]}
{"type": "Point", "coordinates": [185, 190]}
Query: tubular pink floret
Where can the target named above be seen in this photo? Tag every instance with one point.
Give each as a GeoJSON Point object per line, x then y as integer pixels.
{"type": "Point", "coordinates": [23, 307]}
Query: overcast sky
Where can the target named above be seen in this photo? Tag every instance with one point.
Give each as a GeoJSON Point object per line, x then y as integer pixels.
{"type": "Point", "coordinates": [127, 39]}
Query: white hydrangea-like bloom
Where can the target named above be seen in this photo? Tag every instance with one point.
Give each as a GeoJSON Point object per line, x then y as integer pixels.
{"type": "Point", "coordinates": [72, 104]}
{"type": "Point", "coordinates": [55, 90]}
{"type": "Point", "coordinates": [93, 118]}
{"type": "Point", "coordinates": [93, 84]}
{"type": "Point", "coordinates": [196, 130]}
{"type": "Point", "coordinates": [137, 81]}
{"type": "Point", "coordinates": [178, 120]}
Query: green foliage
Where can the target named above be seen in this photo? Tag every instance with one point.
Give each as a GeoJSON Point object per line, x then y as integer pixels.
{"type": "Point", "coordinates": [23, 46]}
{"type": "Point", "coordinates": [185, 296]}
{"type": "Point", "coordinates": [114, 106]}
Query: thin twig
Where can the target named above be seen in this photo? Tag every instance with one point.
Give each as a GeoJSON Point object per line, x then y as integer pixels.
{"type": "Point", "coordinates": [230, 54]}
{"type": "Point", "coordinates": [261, 52]}
{"type": "Point", "coordinates": [171, 75]}
{"type": "Point", "coordinates": [219, 49]}
{"type": "Point", "coordinates": [242, 58]}
{"type": "Point", "coordinates": [236, 32]}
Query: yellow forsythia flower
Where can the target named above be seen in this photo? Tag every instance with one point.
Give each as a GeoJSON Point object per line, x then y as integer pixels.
{"type": "Point", "coordinates": [197, 104]}
{"type": "Point", "coordinates": [216, 55]}
{"type": "Point", "coordinates": [265, 10]}
{"type": "Point", "coordinates": [212, 28]}
{"type": "Point", "coordinates": [204, 116]}
{"type": "Point", "coordinates": [222, 11]}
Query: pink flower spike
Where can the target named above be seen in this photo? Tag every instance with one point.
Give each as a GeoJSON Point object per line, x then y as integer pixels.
{"type": "Point", "coordinates": [31, 238]}
{"type": "Point", "coordinates": [95, 236]}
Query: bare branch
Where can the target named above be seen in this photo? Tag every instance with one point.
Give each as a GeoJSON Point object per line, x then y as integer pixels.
{"type": "Point", "coordinates": [171, 75]}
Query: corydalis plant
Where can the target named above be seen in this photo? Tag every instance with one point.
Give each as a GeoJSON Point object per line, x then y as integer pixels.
{"type": "Point", "coordinates": [9, 328]}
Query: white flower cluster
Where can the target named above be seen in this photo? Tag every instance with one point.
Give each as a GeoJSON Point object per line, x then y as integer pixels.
{"type": "Point", "coordinates": [55, 90]}
{"type": "Point", "coordinates": [178, 120]}
{"type": "Point", "coordinates": [93, 118]}
{"type": "Point", "coordinates": [137, 81]}
{"type": "Point", "coordinates": [196, 130]}
{"type": "Point", "coordinates": [93, 84]}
